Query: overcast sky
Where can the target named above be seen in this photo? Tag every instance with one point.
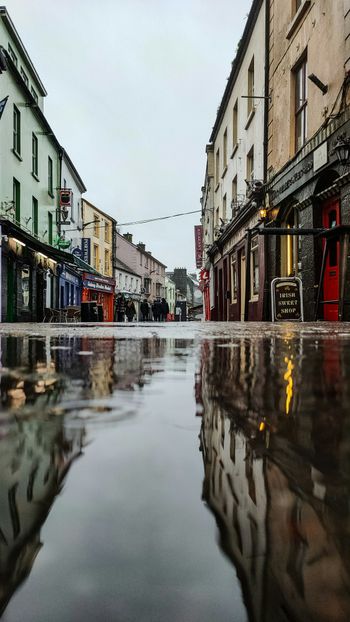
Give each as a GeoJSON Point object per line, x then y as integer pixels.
{"type": "Point", "coordinates": [133, 89]}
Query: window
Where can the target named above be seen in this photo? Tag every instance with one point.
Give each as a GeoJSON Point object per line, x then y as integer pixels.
{"type": "Point", "coordinates": [251, 87]}
{"type": "Point", "coordinates": [24, 77]}
{"type": "Point", "coordinates": [235, 125]}
{"type": "Point", "coordinates": [290, 245]}
{"type": "Point", "coordinates": [35, 215]}
{"type": "Point", "coordinates": [224, 204]}
{"type": "Point", "coordinates": [300, 78]}
{"type": "Point", "coordinates": [107, 262]}
{"type": "Point", "coordinates": [34, 94]}
{"type": "Point", "coordinates": [17, 199]}
{"type": "Point", "coordinates": [224, 146]}
{"type": "Point", "coordinates": [107, 229]}
{"type": "Point", "coordinates": [50, 176]}
{"type": "Point", "coordinates": [16, 130]}
{"type": "Point", "coordinates": [34, 155]}
{"type": "Point", "coordinates": [234, 196]}
{"type": "Point", "coordinates": [25, 287]}
{"type": "Point", "coordinates": [233, 278]}
{"type": "Point", "coordinates": [50, 226]}
{"type": "Point", "coordinates": [96, 257]}
{"type": "Point", "coordinates": [96, 227]}
{"type": "Point", "coordinates": [12, 54]}
{"type": "Point", "coordinates": [254, 266]}
{"type": "Point", "coordinates": [217, 166]}
{"type": "Point", "coordinates": [216, 223]}
{"type": "Point", "coordinates": [250, 164]}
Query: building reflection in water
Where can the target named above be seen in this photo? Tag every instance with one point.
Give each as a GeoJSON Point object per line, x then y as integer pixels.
{"type": "Point", "coordinates": [275, 440]}
{"type": "Point", "coordinates": [38, 441]}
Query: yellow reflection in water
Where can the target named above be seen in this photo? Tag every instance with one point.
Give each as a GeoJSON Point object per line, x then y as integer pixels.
{"type": "Point", "coordinates": [288, 377]}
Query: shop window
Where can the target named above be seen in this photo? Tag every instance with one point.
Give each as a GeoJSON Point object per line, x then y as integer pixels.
{"type": "Point", "coordinates": [25, 287]}
{"type": "Point", "coordinates": [290, 245]}
{"type": "Point", "coordinates": [254, 267]}
{"type": "Point", "coordinates": [300, 85]}
{"type": "Point", "coordinates": [16, 130]}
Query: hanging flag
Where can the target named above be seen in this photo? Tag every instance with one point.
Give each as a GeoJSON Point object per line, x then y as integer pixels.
{"type": "Point", "coordinates": [2, 105]}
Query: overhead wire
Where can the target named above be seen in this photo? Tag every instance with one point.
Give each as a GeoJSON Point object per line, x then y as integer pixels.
{"type": "Point", "coordinates": [135, 222]}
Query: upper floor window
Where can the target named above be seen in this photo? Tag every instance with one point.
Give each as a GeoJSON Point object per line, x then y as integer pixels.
{"type": "Point", "coordinates": [16, 130]}
{"type": "Point", "coordinates": [250, 164]}
{"type": "Point", "coordinates": [12, 54]}
{"type": "Point", "coordinates": [34, 93]}
{"type": "Point", "coordinates": [107, 229]}
{"type": "Point", "coordinates": [24, 77]}
{"type": "Point", "coordinates": [300, 80]}
{"type": "Point", "coordinates": [50, 176]}
{"type": "Point", "coordinates": [17, 199]}
{"type": "Point", "coordinates": [251, 87]}
{"type": "Point", "coordinates": [217, 166]}
{"type": "Point", "coordinates": [224, 146]}
{"type": "Point", "coordinates": [224, 204]}
{"type": "Point", "coordinates": [235, 125]}
{"type": "Point", "coordinates": [34, 155]}
{"type": "Point", "coordinates": [96, 227]}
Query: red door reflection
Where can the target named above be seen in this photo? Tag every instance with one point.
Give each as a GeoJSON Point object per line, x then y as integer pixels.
{"type": "Point", "coordinates": [331, 218]}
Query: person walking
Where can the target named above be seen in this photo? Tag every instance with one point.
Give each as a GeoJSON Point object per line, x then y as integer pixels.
{"type": "Point", "coordinates": [144, 310]}
{"type": "Point", "coordinates": [164, 310]}
{"type": "Point", "coordinates": [120, 308]}
{"type": "Point", "coordinates": [130, 310]}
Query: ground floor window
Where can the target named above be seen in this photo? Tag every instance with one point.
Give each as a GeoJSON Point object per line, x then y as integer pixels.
{"type": "Point", "coordinates": [254, 266]}
{"type": "Point", "coordinates": [25, 287]}
{"type": "Point", "coordinates": [233, 261]}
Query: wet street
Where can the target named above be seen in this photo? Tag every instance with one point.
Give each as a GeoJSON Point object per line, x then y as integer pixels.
{"type": "Point", "coordinates": [175, 473]}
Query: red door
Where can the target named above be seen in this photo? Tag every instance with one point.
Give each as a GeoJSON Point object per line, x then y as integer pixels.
{"type": "Point", "coordinates": [331, 218]}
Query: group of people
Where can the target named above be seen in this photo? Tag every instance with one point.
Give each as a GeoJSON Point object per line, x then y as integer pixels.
{"type": "Point", "coordinates": [156, 312]}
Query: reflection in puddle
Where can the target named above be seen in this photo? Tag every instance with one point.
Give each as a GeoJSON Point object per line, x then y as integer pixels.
{"type": "Point", "coordinates": [276, 454]}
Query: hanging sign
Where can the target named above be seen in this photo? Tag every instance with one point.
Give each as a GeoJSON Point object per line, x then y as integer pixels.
{"type": "Point", "coordinates": [287, 299]}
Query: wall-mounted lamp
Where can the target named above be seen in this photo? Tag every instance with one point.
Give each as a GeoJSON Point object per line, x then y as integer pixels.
{"type": "Point", "coordinates": [315, 80]}
{"type": "Point", "coordinates": [263, 213]}
{"type": "Point", "coordinates": [342, 149]}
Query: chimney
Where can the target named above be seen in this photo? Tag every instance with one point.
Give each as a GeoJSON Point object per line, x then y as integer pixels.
{"type": "Point", "coordinates": [141, 246]}
{"type": "Point", "coordinates": [128, 236]}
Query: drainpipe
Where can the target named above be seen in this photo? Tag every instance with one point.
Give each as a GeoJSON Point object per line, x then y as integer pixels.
{"type": "Point", "coordinates": [266, 119]}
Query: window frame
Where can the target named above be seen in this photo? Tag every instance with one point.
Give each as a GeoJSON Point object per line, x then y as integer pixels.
{"type": "Point", "coordinates": [35, 216]}
{"type": "Point", "coordinates": [234, 278]}
{"type": "Point", "coordinates": [35, 155]}
{"type": "Point", "coordinates": [16, 131]}
{"type": "Point", "coordinates": [300, 103]}
{"type": "Point", "coordinates": [254, 268]}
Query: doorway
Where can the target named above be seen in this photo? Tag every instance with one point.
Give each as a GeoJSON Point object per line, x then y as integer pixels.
{"type": "Point", "coordinates": [331, 218]}
{"type": "Point", "coordinates": [242, 263]}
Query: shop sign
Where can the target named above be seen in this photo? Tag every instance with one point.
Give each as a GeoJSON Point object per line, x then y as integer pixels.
{"type": "Point", "coordinates": [86, 249]}
{"type": "Point", "coordinates": [198, 238]}
{"type": "Point", "coordinates": [70, 277]}
{"type": "Point", "coordinates": [287, 300]}
{"type": "Point", "coordinates": [77, 252]}
{"type": "Point", "coordinates": [101, 287]}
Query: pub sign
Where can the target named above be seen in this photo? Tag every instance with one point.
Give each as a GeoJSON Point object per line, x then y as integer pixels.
{"type": "Point", "coordinates": [287, 299]}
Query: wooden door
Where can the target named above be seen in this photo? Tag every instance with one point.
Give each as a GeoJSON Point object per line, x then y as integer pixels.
{"type": "Point", "coordinates": [331, 218]}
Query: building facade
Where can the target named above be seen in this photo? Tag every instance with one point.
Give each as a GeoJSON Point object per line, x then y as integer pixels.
{"type": "Point", "coordinates": [234, 181]}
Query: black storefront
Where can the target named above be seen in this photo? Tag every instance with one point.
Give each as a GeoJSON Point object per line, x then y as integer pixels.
{"type": "Point", "coordinates": [29, 275]}
{"type": "Point", "coordinates": [309, 197]}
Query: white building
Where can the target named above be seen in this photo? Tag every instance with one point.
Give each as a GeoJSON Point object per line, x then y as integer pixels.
{"type": "Point", "coordinates": [170, 294]}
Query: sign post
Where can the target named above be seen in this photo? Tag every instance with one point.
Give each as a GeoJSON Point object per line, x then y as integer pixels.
{"type": "Point", "coordinates": [287, 300]}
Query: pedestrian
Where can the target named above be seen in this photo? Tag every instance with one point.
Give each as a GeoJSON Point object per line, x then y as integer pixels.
{"type": "Point", "coordinates": [157, 310]}
{"type": "Point", "coordinates": [120, 308]}
{"type": "Point", "coordinates": [178, 313]}
{"type": "Point", "coordinates": [130, 310]}
{"type": "Point", "coordinates": [144, 310]}
{"type": "Point", "coordinates": [164, 310]}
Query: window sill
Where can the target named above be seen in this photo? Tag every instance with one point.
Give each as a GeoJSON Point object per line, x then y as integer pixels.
{"type": "Point", "coordinates": [224, 172]}
{"type": "Point", "coordinates": [217, 187]}
{"type": "Point", "coordinates": [34, 175]}
{"type": "Point", "coordinates": [17, 155]}
{"type": "Point", "coordinates": [250, 118]}
{"type": "Point", "coordinates": [297, 19]}
{"type": "Point", "coordinates": [234, 151]}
